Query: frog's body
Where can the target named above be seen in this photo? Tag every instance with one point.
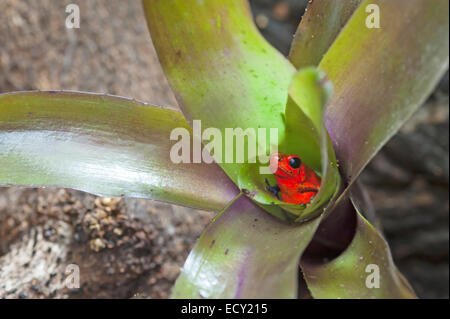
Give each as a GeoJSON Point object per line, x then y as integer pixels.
{"type": "Point", "coordinates": [296, 182]}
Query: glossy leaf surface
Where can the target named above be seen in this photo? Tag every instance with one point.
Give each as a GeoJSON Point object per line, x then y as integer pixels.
{"type": "Point", "coordinates": [104, 145]}
{"type": "Point", "coordinates": [245, 253]}
{"type": "Point", "coordinates": [382, 75]}
{"type": "Point", "coordinates": [222, 70]}
{"type": "Point", "coordinates": [319, 27]}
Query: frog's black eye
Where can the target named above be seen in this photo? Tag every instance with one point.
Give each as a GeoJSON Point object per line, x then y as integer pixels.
{"type": "Point", "coordinates": [295, 162]}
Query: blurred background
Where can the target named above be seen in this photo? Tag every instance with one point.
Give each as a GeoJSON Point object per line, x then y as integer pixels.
{"type": "Point", "coordinates": [140, 245]}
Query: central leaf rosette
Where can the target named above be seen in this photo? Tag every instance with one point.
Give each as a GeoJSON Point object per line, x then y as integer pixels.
{"type": "Point", "coordinates": [247, 154]}
{"type": "Point", "coordinates": [241, 81]}
{"type": "Point", "coordinates": [304, 135]}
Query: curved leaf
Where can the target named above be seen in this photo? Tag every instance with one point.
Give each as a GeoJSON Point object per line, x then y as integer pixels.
{"type": "Point", "coordinates": [104, 145]}
{"type": "Point", "coordinates": [310, 90]}
{"type": "Point", "coordinates": [222, 70]}
{"type": "Point", "coordinates": [381, 76]}
{"type": "Point", "coordinates": [306, 137]}
{"type": "Point", "coordinates": [319, 27]}
{"type": "Point", "coordinates": [245, 253]}
{"type": "Point", "coordinates": [365, 269]}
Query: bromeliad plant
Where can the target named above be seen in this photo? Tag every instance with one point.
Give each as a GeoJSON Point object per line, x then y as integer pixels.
{"type": "Point", "coordinates": [344, 90]}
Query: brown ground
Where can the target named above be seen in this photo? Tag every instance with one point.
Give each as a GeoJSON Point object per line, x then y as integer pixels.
{"type": "Point", "coordinates": [130, 246]}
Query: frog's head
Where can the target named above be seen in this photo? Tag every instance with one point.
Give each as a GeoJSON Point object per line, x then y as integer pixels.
{"type": "Point", "coordinates": [285, 166]}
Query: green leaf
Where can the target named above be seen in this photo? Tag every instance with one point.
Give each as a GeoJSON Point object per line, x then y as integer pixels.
{"type": "Point", "coordinates": [381, 76]}
{"type": "Point", "coordinates": [245, 253]}
{"type": "Point", "coordinates": [222, 70]}
{"type": "Point", "coordinates": [101, 144]}
{"type": "Point", "coordinates": [319, 27]}
{"type": "Point", "coordinates": [365, 269]}
{"type": "Point", "coordinates": [306, 137]}
{"type": "Point", "coordinates": [310, 90]}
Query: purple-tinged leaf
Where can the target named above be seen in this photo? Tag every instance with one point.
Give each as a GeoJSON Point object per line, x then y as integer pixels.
{"type": "Point", "coordinates": [319, 27]}
{"type": "Point", "coordinates": [361, 264]}
{"type": "Point", "coordinates": [222, 70]}
{"type": "Point", "coordinates": [382, 75]}
{"type": "Point", "coordinates": [104, 145]}
{"type": "Point", "coordinates": [245, 253]}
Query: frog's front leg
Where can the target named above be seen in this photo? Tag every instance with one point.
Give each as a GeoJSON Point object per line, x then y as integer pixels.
{"type": "Point", "coordinates": [275, 190]}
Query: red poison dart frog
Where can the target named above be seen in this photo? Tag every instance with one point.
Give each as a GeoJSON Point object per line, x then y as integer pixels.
{"type": "Point", "coordinates": [296, 182]}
